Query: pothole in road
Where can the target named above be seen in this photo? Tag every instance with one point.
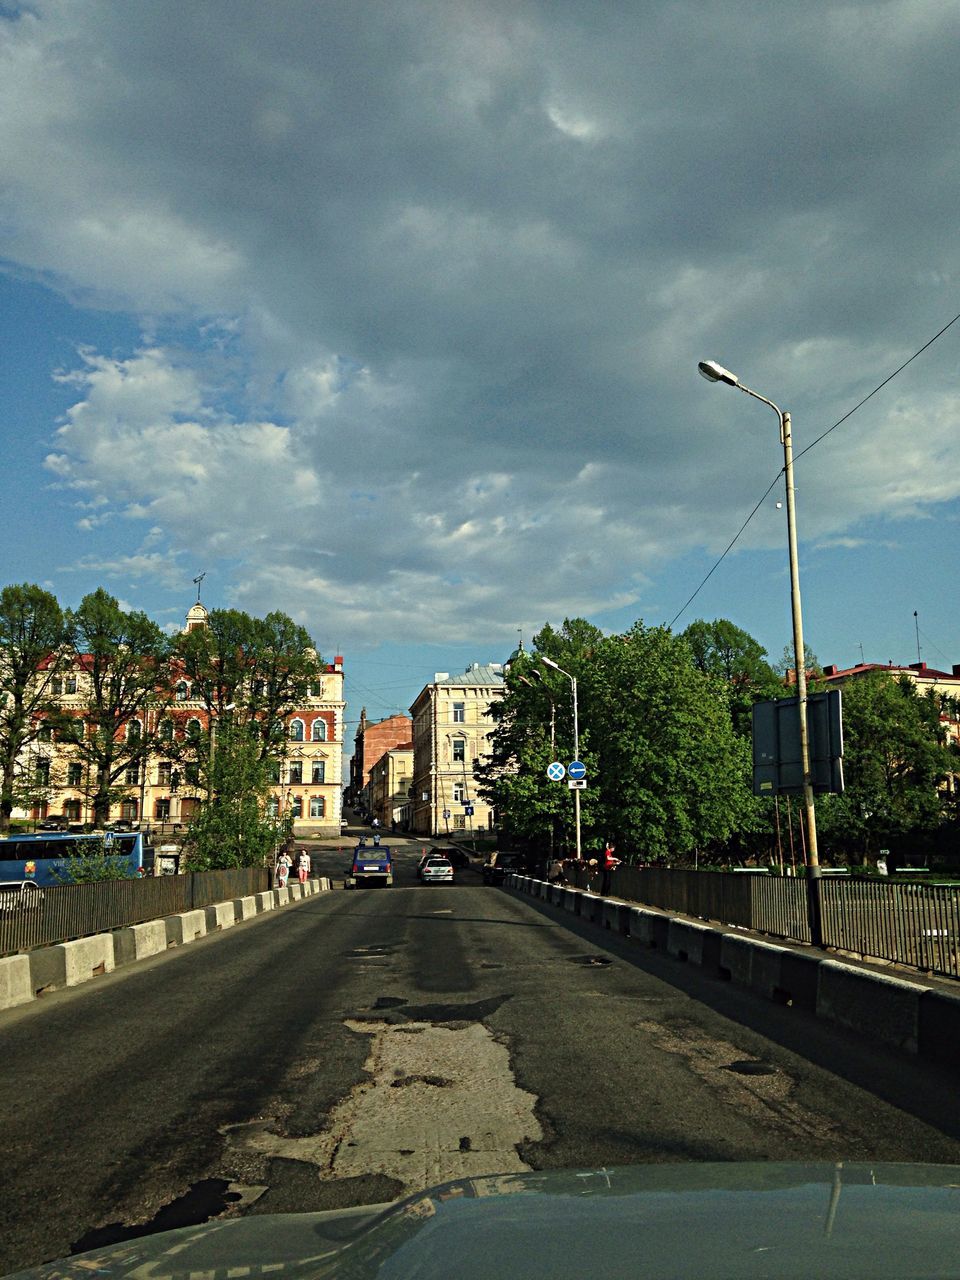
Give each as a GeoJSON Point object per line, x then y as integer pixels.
{"type": "Point", "coordinates": [205, 1200]}
{"type": "Point", "coordinates": [388, 1002]}
{"type": "Point", "coordinates": [591, 962]}
{"type": "Point", "coordinates": [438, 1105]}
{"type": "Point", "coordinates": [748, 1068]}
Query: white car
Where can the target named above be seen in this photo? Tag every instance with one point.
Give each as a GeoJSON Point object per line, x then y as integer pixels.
{"type": "Point", "coordinates": [437, 871]}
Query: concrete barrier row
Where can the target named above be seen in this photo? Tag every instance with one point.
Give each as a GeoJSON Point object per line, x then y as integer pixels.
{"type": "Point", "coordinates": [66, 964]}
{"type": "Point", "coordinates": [910, 1015]}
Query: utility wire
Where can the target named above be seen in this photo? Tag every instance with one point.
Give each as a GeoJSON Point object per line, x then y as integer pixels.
{"type": "Point", "coordinates": [813, 443]}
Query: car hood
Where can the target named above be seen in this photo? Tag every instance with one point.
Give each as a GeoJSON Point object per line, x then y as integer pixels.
{"type": "Point", "coordinates": [666, 1221]}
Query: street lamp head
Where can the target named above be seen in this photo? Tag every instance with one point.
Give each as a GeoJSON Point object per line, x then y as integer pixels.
{"type": "Point", "coordinates": [549, 661]}
{"type": "Point", "coordinates": [714, 372]}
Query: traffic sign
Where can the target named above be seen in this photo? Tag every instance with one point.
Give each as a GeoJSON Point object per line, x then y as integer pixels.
{"type": "Point", "coordinates": [577, 769]}
{"type": "Point", "coordinates": [555, 771]}
{"type": "Point", "coordinates": [468, 810]}
{"type": "Point", "coordinates": [577, 784]}
{"type": "Point", "coordinates": [446, 813]}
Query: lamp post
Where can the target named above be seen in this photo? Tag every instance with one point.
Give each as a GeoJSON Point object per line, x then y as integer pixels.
{"type": "Point", "coordinates": [714, 372]}
{"type": "Point", "coordinates": [576, 742]}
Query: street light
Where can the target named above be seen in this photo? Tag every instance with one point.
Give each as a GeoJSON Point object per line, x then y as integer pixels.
{"type": "Point", "coordinates": [714, 372]}
{"type": "Point", "coordinates": [576, 742]}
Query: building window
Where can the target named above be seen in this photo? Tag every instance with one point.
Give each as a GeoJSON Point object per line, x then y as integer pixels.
{"type": "Point", "coordinates": [459, 822]}
{"type": "Point", "coordinates": [296, 730]}
{"type": "Point", "coordinates": [56, 687]}
{"type": "Point", "coordinates": [134, 730]}
{"type": "Point", "coordinates": [319, 771]}
{"type": "Point", "coordinates": [161, 810]}
{"type": "Point", "coordinates": [192, 774]}
{"type": "Point", "coordinates": [459, 750]}
{"type": "Point", "coordinates": [273, 807]}
{"type": "Point", "coordinates": [296, 773]}
{"type": "Point", "coordinates": [128, 810]}
{"type": "Point", "coordinates": [296, 807]}
{"type": "Point", "coordinates": [132, 775]}
{"type": "Point", "coordinates": [194, 729]}
{"type": "Point", "coordinates": [318, 806]}
{"type": "Point", "coordinates": [166, 729]}
{"type": "Point", "coordinates": [71, 810]}
{"type": "Point", "coordinates": [70, 684]}
{"type": "Point", "coordinates": [74, 774]}
{"type": "Point", "coordinates": [273, 771]}
{"type": "Point", "coordinates": [164, 771]}
{"type": "Point", "coordinates": [319, 731]}
{"type": "Point", "coordinates": [459, 793]}
{"type": "Point", "coordinates": [183, 691]}
{"type": "Point", "coordinates": [41, 771]}
{"type": "Point", "coordinates": [44, 733]}
{"type": "Point", "coordinates": [459, 712]}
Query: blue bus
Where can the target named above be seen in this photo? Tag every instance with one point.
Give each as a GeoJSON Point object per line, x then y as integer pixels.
{"type": "Point", "coordinates": [42, 858]}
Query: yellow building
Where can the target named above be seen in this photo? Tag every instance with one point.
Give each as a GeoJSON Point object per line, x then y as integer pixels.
{"type": "Point", "coordinates": [452, 725]}
{"type": "Point", "coordinates": [390, 781]}
{"type": "Point", "coordinates": [165, 792]}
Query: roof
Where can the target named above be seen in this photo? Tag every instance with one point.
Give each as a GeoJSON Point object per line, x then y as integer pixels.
{"type": "Point", "coordinates": [478, 673]}
{"type": "Point", "coordinates": [919, 670]}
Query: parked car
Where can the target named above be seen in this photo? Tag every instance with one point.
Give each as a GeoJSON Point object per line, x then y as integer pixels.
{"type": "Point", "coordinates": [456, 857]}
{"type": "Point", "coordinates": [53, 823]}
{"type": "Point", "coordinates": [437, 871]}
{"type": "Point", "coordinates": [19, 895]}
{"type": "Point", "coordinates": [372, 865]}
{"type": "Point", "coordinates": [499, 865]}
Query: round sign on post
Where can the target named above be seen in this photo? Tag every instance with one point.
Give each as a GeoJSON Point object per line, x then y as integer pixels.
{"type": "Point", "coordinates": [555, 771]}
{"type": "Point", "coordinates": [577, 769]}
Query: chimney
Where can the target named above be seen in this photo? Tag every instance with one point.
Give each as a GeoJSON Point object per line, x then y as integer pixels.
{"type": "Point", "coordinates": [831, 670]}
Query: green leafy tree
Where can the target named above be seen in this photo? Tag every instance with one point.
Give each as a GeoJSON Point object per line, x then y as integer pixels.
{"type": "Point", "coordinates": [895, 758]}
{"type": "Point", "coordinates": [671, 774]}
{"type": "Point", "coordinates": [731, 655]}
{"type": "Point", "coordinates": [32, 643]}
{"type": "Point", "coordinates": [124, 659]}
{"type": "Point", "coordinates": [234, 828]}
{"type": "Point", "coordinates": [93, 863]}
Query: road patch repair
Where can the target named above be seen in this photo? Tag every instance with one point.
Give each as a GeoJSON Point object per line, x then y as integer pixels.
{"type": "Point", "coordinates": [441, 1102]}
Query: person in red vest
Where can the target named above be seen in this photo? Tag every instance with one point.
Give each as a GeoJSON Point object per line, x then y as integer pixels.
{"type": "Point", "coordinates": [609, 864]}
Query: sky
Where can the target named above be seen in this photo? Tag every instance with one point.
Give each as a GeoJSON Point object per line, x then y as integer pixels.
{"type": "Point", "coordinates": [388, 316]}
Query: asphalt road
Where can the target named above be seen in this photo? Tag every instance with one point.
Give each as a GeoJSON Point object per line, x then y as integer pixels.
{"type": "Point", "coordinates": [360, 1043]}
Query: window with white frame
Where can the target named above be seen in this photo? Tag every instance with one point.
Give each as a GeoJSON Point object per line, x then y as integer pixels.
{"type": "Point", "coordinates": [459, 793]}
{"type": "Point", "coordinates": [459, 712]}
{"type": "Point", "coordinates": [319, 731]}
{"type": "Point", "coordinates": [296, 730]}
{"type": "Point", "coordinates": [319, 771]}
{"type": "Point", "coordinates": [295, 776]}
{"type": "Point", "coordinates": [296, 807]}
{"type": "Point", "coordinates": [459, 750]}
{"type": "Point", "coordinates": [318, 806]}
{"type": "Point", "coordinates": [183, 691]}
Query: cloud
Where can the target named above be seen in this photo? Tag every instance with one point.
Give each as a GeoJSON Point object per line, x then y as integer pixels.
{"type": "Point", "coordinates": [424, 287]}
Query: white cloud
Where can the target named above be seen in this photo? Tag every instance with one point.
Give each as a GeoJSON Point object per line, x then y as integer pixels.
{"type": "Point", "coordinates": [423, 295]}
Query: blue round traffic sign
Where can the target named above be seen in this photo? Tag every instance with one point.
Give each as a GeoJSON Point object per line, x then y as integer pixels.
{"type": "Point", "coordinates": [555, 771]}
{"type": "Point", "coordinates": [577, 769]}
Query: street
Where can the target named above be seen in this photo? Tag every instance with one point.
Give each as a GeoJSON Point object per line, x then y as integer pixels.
{"type": "Point", "coordinates": [366, 1043]}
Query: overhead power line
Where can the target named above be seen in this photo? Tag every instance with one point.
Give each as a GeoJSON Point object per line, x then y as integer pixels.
{"type": "Point", "coordinates": [812, 445]}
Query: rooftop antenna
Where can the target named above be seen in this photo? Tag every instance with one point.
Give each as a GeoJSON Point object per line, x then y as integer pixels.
{"type": "Point", "coordinates": [917, 626]}
{"type": "Point", "coordinates": [520, 634]}
{"type": "Point", "coordinates": [201, 577]}
{"type": "Point", "coordinates": [861, 653]}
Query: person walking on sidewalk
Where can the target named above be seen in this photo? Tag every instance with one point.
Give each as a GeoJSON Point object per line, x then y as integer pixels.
{"type": "Point", "coordinates": [284, 863]}
{"type": "Point", "coordinates": [303, 866]}
{"type": "Point", "coordinates": [608, 866]}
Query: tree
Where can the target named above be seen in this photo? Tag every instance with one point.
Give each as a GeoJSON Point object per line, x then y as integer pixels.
{"type": "Point", "coordinates": [123, 657]}
{"type": "Point", "coordinates": [32, 640]}
{"type": "Point", "coordinates": [727, 652]}
{"type": "Point", "coordinates": [234, 829]}
{"type": "Point", "coordinates": [671, 774]}
{"type": "Point", "coordinates": [894, 760]}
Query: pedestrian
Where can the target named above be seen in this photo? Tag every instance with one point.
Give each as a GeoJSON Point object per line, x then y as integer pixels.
{"type": "Point", "coordinates": [555, 872]}
{"type": "Point", "coordinates": [376, 822]}
{"type": "Point", "coordinates": [610, 864]}
{"type": "Point", "coordinates": [376, 839]}
{"type": "Point", "coordinates": [303, 866]}
{"type": "Point", "coordinates": [284, 863]}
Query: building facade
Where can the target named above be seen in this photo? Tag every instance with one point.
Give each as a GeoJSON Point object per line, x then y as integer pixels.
{"type": "Point", "coordinates": [389, 787]}
{"type": "Point", "coordinates": [164, 789]}
{"type": "Point", "coordinates": [372, 739]}
{"type": "Point", "coordinates": [452, 725]}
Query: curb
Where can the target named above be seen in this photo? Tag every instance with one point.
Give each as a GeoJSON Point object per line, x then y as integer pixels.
{"type": "Point", "coordinates": [67, 964]}
{"type": "Point", "coordinates": [908, 1015]}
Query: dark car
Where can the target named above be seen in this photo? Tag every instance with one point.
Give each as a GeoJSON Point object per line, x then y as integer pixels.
{"type": "Point", "coordinates": [456, 857]}
{"type": "Point", "coordinates": [499, 865]}
{"type": "Point", "coordinates": [372, 865]}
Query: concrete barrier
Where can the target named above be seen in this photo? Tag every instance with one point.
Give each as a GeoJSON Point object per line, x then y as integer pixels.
{"type": "Point", "coordinates": [244, 908]}
{"type": "Point", "coordinates": [696, 943]}
{"type": "Point", "coordinates": [282, 896]}
{"type": "Point", "coordinates": [872, 1004]}
{"type": "Point", "coordinates": [219, 916]}
{"type": "Point", "coordinates": [67, 964]}
{"type": "Point", "coordinates": [570, 899]}
{"type": "Point", "coordinates": [16, 986]}
{"type": "Point", "coordinates": [138, 941]}
{"type": "Point", "coordinates": [265, 901]}
{"type": "Point", "coordinates": [648, 928]}
{"type": "Point", "coordinates": [185, 927]}
{"type": "Point", "coordinates": [615, 915]}
{"type": "Point", "coordinates": [591, 906]}
{"type": "Point", "coordinates": [938, 1037]}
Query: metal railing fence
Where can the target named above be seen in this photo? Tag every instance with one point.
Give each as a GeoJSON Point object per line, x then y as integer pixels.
{"type": "Point", "coordinates": [60, 913]}
{"type": "Point", "coordinates": [910, 924]}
